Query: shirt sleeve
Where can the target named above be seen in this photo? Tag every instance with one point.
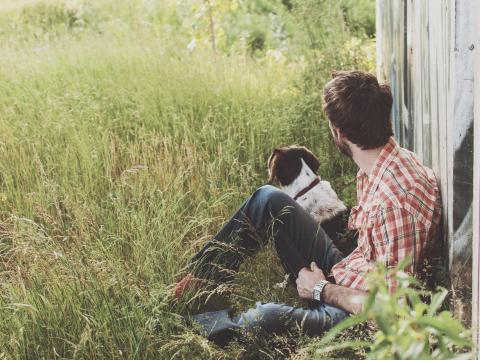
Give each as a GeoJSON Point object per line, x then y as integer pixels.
{"type": "Point", "coordinates": [397, 234]}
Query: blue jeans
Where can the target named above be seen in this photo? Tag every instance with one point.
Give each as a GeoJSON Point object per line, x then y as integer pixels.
{"type": "Point", "coordinates": [268, 215]}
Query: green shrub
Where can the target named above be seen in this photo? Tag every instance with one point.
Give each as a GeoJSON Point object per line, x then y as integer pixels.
{"type": "Point", "coordinates": [48, 16]}
{"type": "Point", "coordinates": [408, 327]}
{"type": "Point", "coordinates": [360, 16]}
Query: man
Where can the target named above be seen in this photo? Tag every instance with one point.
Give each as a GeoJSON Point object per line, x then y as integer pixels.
{"type": "Point", "coordinates": [397, 215]}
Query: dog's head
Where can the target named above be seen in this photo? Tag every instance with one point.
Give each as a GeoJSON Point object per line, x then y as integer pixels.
{"type": "Point", "coordinates": [284, 164]}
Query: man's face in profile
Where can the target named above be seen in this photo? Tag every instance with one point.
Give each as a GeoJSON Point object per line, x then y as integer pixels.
{"type": "Point", "coordinates": [342, 145]}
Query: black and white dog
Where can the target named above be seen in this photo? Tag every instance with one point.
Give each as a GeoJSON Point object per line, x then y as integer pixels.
{"type": "Point", "coordinates": [295, 168]}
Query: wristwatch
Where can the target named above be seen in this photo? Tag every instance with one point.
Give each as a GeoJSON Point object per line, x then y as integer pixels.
{"type": "Point", "coordinates": [317, 290]}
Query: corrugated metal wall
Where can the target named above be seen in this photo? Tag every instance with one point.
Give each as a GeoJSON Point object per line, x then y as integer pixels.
{"type": "Point", "coordinates": [425, 51]}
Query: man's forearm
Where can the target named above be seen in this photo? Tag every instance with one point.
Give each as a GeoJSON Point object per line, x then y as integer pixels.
{"type": "Point", "coordinates": [344, 298]}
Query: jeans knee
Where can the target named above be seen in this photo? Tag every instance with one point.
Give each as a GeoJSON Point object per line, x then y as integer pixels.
{"type": "Point", "coordinates": [273, 197]}
{"type": "Point", "coordinates": [266, 190]}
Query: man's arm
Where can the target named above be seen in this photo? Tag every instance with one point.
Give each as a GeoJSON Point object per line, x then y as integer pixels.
{"type": "Point", "coordinates": [350, 300]}
{"type": "Point", "coordinates": [342, 297]}
{"type": "Point", "coordinates": [395, 234]}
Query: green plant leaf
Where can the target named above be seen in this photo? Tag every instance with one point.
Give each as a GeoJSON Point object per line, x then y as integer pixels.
{"type": "Point", "coordinates": [370, 300]}
{"type": "Point", "coordinates": [450, 327]}
{"type": "Point", "coordinates": [437, 300]}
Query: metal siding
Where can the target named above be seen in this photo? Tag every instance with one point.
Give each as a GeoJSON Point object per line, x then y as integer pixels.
{"type": "Point", "coordinates": [462, 146]}
{"type": "Point", "coordinates": [391, 64]}
{"type": "Point", "coordinates": [423, 50]}
{"type": "Point", "coordinates": [476, 192]}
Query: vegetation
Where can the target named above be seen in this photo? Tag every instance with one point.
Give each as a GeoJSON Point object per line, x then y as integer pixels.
{"type": "Point", "coordinates": [409, 323]}
{"type": "Point", "coordinates": [130, 131]}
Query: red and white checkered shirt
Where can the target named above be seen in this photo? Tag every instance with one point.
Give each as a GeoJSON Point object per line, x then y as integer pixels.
{"type": "Point", "coordinates": [398, 212]}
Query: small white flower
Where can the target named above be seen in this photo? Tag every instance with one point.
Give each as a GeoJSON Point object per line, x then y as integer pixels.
{"type": "Point", "coordinates": [192, 45]}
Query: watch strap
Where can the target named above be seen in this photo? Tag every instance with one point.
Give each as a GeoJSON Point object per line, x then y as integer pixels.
{"type": "Point", "coordinates": [318, 289]}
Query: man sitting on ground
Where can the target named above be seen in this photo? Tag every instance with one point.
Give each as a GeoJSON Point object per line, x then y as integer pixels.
{"type": "Point", "coordinates": [397, 215]}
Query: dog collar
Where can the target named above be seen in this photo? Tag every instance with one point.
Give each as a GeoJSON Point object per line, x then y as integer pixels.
{"type": "Point", "coordinates": [308, 188]}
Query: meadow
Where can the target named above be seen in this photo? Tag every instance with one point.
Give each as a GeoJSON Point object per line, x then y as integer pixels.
{"type": "Point", "coordinates": [123, 151]}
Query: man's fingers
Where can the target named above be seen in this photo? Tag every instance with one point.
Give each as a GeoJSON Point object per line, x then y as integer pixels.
{"type": "Point", "coordinates": [314, 266]}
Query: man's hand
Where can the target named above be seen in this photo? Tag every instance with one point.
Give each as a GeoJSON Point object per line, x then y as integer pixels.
{"type": "Point", "coordinates": [307, 279]}
{"type": "Point", "coordinates": [342, 297]}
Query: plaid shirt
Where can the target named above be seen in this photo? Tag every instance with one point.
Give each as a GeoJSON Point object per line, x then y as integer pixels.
{"type": "Point", "coordinates": [398, 212]}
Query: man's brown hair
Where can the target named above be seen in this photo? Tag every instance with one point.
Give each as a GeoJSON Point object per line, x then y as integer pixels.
{"type": "Point", "coordinates": [357, 105]}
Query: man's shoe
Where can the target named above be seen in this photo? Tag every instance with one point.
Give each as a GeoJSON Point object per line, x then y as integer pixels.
{"type": "Point", "coordinates": [217, 326]}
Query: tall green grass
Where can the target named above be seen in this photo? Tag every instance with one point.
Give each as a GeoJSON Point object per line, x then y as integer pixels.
{"type": "Point", "coordinates": [121, 154]}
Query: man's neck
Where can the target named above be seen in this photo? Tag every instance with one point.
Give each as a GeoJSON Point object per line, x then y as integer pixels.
{"type": "Point", "coordinates": [365, 159]}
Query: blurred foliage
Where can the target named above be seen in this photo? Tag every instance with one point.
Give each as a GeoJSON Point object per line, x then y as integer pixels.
{"type": "Point", "coordinates": [359, 16]}
{"type": "Point", "coordinates": [51, 16]}
{"type": "Point", "coordinates": [409, 321]}
{"type": "Point", "coordinates": [251, 26]}
{"type": "Point", "coordinates": [237, 26]}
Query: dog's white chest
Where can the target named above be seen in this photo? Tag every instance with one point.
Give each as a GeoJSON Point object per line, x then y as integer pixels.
{"type": "Point", "coordinates": [320, 201]}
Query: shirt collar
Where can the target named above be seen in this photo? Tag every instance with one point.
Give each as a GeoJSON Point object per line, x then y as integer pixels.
{"type": "Point", "coordinates": [384, 159]}
{"type": "Point", "coordinates": [387, 154]}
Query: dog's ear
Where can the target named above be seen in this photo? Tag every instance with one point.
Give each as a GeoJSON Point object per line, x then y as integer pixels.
{"type": "Point", "coordinates": [272, 166]}
{"type": "Point", "coordinates": [284, 166]}
{"type": "Point", "coordinates": [272, 155]}
{"type": "Point", "coordinates": [310, 159]}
